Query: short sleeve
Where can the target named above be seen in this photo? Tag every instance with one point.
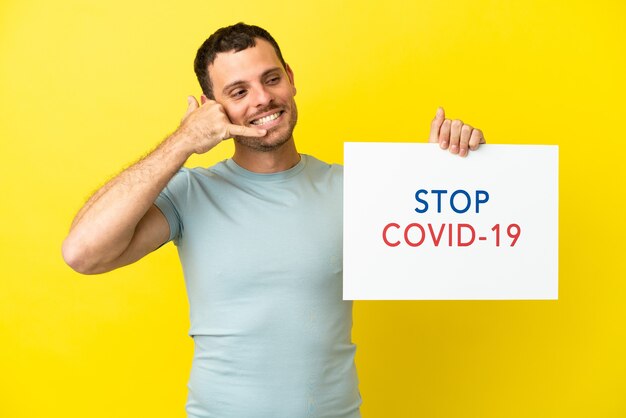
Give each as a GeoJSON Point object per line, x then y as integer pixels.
{"type": "Point", "coordinates": [171, 203]}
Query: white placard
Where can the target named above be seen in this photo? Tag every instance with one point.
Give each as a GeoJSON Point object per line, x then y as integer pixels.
{"type": "Point", "coordinates": [420, 223]}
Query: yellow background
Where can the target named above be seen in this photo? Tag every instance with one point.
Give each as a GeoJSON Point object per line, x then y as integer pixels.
{"type": "Point", "coordinates": [87, 87]}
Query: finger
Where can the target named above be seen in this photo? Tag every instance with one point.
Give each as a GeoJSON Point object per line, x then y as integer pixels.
{"type": "Point", "coordinates": [444, 134]}
{"type": "Point", "coordinates": [476, 139]}
{"type": "Point", "coordinates": [435, 125]}
{"type": "Point", "coordinates": [455, 135]}
{"type": "Point", "coordinates": [192, 104]}
{"type": "Point", "coordinates": [232, 130]}
{"type": "Point", "coordinates": [466, 132]}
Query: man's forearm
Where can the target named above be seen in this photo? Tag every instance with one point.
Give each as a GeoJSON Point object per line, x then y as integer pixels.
{"type": "Point", "coordinates": [104, 227]}
{"type": "Point", "coordinates": [107, 232]}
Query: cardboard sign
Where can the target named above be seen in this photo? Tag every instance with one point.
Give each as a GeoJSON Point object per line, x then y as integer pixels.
{"type": "Point", "coordinates": [420, 223]}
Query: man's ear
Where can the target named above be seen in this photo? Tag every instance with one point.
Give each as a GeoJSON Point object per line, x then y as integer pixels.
{"type": "Point", "coordinates": [290, 75]}
{"type": "Point", "coordinates": [203, 99]}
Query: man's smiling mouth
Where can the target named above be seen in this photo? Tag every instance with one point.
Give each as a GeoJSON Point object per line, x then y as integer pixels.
{"type": "Point", "coordinates": [266, 119]}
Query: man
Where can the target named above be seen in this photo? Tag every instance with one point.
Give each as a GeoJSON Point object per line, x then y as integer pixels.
{"type": "Point", "coordinates": [259, 237]}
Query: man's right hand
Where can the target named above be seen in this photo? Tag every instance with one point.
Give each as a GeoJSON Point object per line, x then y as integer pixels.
{"type": "Point", "coordinates": [206, 126]}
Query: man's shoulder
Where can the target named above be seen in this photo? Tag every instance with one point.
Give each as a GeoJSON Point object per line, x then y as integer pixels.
{"type": "Point", "coordinates": [218, 169]}
{"type": "Point", "coordinates": [188, 178]}
{"type": "Point", "coordinates": [313, 163]}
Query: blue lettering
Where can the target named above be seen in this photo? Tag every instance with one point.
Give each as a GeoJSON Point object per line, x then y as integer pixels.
{"type": "Point", "coordinates": [467, 206]}
{"type": "Point", "coordinates": [425, 203]}
{"type": "Point", "coordinates": [479, 200]}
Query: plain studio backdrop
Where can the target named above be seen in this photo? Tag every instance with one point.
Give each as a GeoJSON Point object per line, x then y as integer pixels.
{"type": "Point", "coordinates": [87, 87]}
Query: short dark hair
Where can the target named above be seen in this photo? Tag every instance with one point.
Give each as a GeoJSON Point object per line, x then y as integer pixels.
{"type": "Point", "coordinates": [236, 37]}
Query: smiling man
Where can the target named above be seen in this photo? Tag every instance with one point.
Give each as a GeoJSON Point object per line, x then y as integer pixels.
{"type": "Point", "coordinates": [259, 237]}
{"type": "Point", "coordinates": [271, 107]}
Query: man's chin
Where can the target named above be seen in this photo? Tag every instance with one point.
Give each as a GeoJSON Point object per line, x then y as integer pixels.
{"type": "Point", "coordinates": [264, 144]}
{"type": "Point", "coordinates": [273, 140]}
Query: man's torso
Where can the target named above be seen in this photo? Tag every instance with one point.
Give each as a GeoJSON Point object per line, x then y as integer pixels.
{"type": "Point", "coordinates": [262, 257]}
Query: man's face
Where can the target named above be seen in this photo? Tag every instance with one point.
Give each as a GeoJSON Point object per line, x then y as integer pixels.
{"type": "Point", "coordinates": [255, 90]}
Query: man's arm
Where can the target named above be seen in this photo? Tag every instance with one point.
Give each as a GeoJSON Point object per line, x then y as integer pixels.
{"type": "Point", "coordinates": [119, 224]}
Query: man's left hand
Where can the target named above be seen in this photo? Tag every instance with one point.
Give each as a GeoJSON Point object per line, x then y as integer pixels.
{"type": "Point", "coordinates": [454, 135]}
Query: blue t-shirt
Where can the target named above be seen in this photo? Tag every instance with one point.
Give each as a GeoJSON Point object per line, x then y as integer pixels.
{"type": "Point", "coordinates": [262, 259]}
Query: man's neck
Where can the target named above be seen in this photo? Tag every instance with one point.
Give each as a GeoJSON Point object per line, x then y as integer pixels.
{"type": "Point", "coordinates": [274, 161]}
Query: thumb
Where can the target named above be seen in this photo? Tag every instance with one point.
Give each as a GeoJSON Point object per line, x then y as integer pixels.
{"type": "Point", "coordinates": [193, 105]}
{"type": "Point", "coordinates": [435, 125]}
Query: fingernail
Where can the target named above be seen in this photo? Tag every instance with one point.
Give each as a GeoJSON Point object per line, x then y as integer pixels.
{"type": "Point", "coordinates": [443, 144]}
{"type": "Point", "coordinates": [463, 152]}
{"type": "Point", "coordinates": [454, 149]}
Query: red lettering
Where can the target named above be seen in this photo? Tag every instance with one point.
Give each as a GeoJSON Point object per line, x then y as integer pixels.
{"type": "Point", "coordinates": [438, 237]}
{"type": "Point", "coordinates": [391, 244]}
{"type": "Point", "coordinates": [459, 229]}
{"type": "Point", "coordinates": [406, 235]}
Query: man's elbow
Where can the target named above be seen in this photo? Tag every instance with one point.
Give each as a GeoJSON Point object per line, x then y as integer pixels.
{"type": "Point", "coordinates": [77, 258]}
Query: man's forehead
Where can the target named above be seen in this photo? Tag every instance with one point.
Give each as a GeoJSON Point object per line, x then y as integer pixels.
{"type": "Point", "coordinates": [249, 62]}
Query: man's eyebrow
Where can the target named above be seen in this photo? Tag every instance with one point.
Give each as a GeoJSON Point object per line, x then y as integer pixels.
{"type": "Point", "coordinates": [238, 82]}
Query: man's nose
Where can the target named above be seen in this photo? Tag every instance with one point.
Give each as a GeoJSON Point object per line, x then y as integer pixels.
{"type": "Point", "coordinates": [261, 97]}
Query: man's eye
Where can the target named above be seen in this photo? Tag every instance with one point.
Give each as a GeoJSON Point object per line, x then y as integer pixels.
{"type": "Point", "coordinates": [238, 93]}
{"type": "Point", "coordinates": [273, 80]}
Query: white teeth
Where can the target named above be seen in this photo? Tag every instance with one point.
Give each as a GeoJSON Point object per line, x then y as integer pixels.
{"type": "Point", "coordinates": [265, 119]}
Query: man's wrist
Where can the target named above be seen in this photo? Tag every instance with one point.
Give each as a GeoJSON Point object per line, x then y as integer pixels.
{"type": "Point", "coordinates": [179, 145]}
